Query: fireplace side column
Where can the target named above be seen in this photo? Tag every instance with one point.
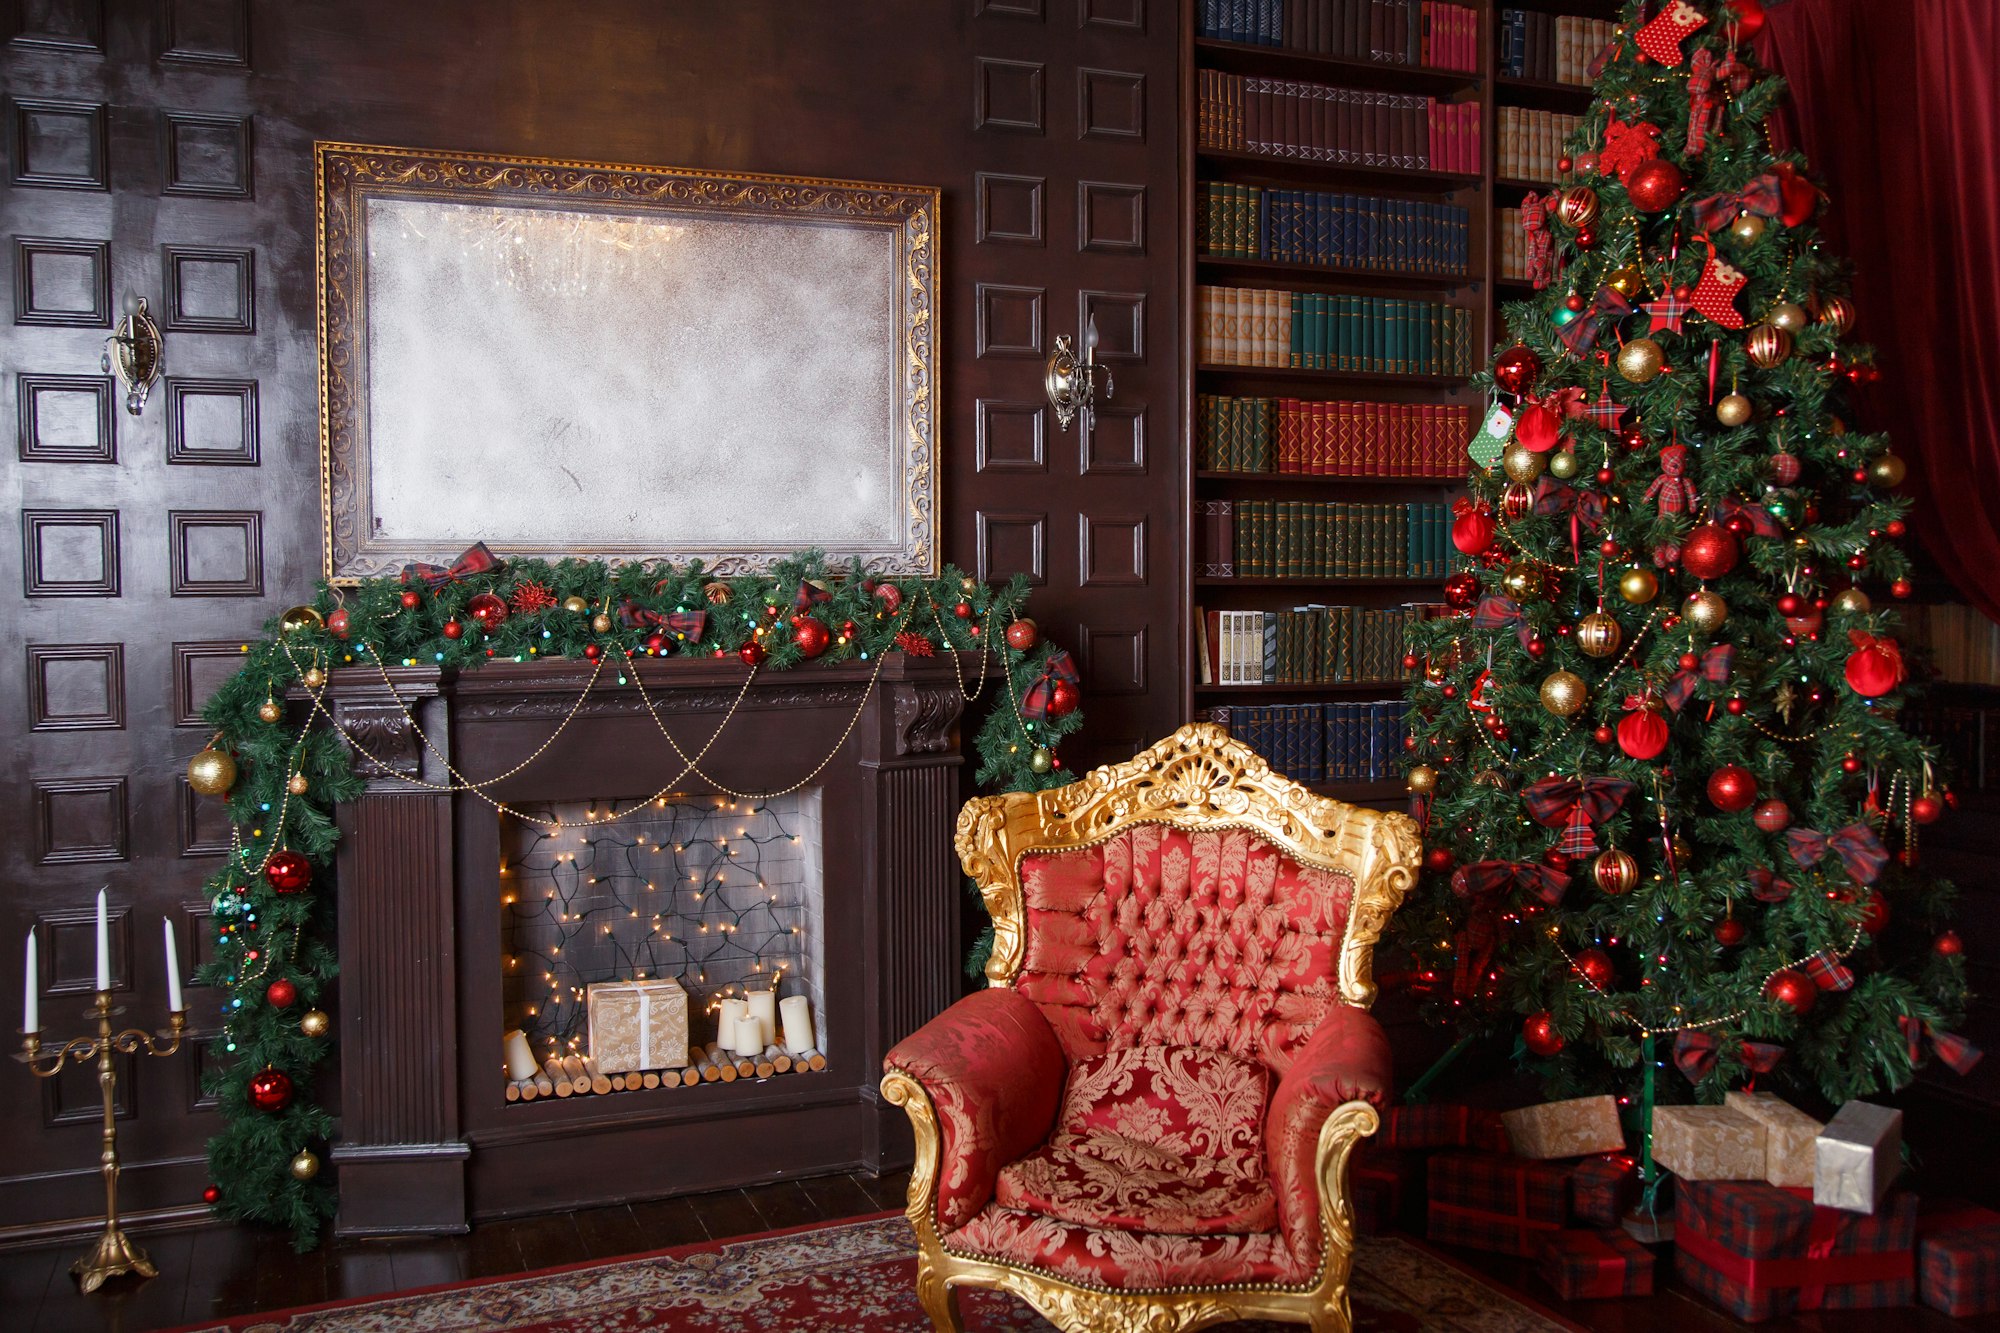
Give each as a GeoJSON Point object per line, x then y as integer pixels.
{"type": "Point", "coordinates": [400, 1149]}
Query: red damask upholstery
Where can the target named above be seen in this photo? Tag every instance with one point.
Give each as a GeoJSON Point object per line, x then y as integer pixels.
{"type": "Point", "coordinates": [1126, 1260]}
{"type": "Point", "coordinates": [1347, 1060]}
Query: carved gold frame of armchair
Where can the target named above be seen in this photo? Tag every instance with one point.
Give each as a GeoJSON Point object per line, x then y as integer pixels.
{"type": "Point", "coordinates": [1196, 779]}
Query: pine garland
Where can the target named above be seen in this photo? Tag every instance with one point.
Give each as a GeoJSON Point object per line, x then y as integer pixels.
{"type": "Point", "coordinates": [264, 936]}
{"type": "Point", "coordinates": [1784, 711]}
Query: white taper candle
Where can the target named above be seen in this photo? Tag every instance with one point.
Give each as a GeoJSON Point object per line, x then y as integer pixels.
{"type": "Point", "coordinates": [103, 943]}
{"type": "Point", "coordinates": [31, 999]}
{"type": "Point", "coordinates": [173, 967]}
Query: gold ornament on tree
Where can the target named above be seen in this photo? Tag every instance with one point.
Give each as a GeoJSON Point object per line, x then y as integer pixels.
{"type": "Point", "coordinates": [1767, 345]}
{"type": "Point", "coordinates": [576, 606]}
{"type": "Point", "coordinates": [305, 1166]}
{"type": "Point", "coordinates": [1598, 635]}
{"type": "Point", "coordinates": [1041, 761]}
{"type": "Point", "coordinates": [1788, 316]}
{"type": "Point", "coordinates": [600, 623]}
{"type": "Point", "coordinates": [315, 1023]}
{"type": "Point", "coordinates": [1423, 778]}
{"type": "Point", "coordinates": [1522, 464]}
{"type": "Point", "coordinates": [1628, 281]}
{"type": "Point", "coordinates": [299, 619]}
{"type": "Point", "coordinates": [1578, 207]}
{"type": "Point", "coordinates": [1638, 586]}
{"type": "Point", "coordinates": [1562, 464]}
{"type": "Point", "coordinates": [1748, 228]}
{"type": "Point", "coordinates": [1837, 313]}
{"type": "Point", "coordinates": [314, 678]}
{"type": "Point", "coordinates": [1733, 409]}
{"type": "Point", "coordinates": [1887, 471]}
{"type": "Point", "coordinates": [1615, 872]}
{"type": "Point", "coordinates": [1563, 693]}
{"type": "Point", "coordinates": [268, 711]}
{"type": "Point", "coordinates": [717, 593]}
{"type": "Point", "coordinates": [1640, 360]}
{"type": "Point", "coordinates": [1852, 601]}
{"type": "Point", "coordinates": [1705, 610]}
{"type": "Point", "coordinates": [297, 785]}
{"type": "Point", "coordinates": [1516, 499]}
{"type": "Point", "coordinates": [1523, 581]}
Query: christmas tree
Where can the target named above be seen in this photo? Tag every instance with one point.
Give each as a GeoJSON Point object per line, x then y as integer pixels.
{"type": "Point", "coordinates": [1670, 812]}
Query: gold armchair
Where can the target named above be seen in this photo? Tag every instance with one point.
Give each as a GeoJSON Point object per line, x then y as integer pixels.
{"type": "Point", "coordinates": [1145, 1122]}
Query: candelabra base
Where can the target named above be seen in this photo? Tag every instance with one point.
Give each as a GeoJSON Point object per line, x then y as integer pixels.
{"type": "Point", "coordinates": [116, 1254]}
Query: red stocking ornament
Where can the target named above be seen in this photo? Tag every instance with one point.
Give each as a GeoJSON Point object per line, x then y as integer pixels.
{"type": "Point", "coordinates": [1661, 39]}
{"type": "Point", "coordinates": [1715, 294]}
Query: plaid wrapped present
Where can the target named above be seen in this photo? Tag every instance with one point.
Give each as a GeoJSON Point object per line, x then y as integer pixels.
{"type": "Point", "coordinates": [1509, 1205]}
{"type": "Point", "coordinates": [1602, 1189]}
{"type": "Point", "coordinates": [1487, 1132]}
{"type": "Point", "coordinates": [1380, 1179]}
{"type": "Point", "coordinates": [1432, 1125]}
{"type": "Point", "coordinates": [1597, 1265]}
{"type": "Point", "coordinates": [1958, 1259]}
{"type": "Point", "coordinates": [1759, 1251]}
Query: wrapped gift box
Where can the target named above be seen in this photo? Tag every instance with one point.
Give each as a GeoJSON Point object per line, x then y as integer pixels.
{"type": "Point", "coordinates": [637, 1025]}
{"type": "Point", "coordinates": [1708, 1143]}
{"type": "Point", "coordinates": [1432, 1125]}
{"type": "Point", "coordinates": [1487, 1132]}
{"type": "Point", "coordinates": [1603, 1189]}
{"type": "Point", "coordinates": [1565, 1129]}
{"type": "Point", "coordinates": [1857, 1157]}
{"type": "Point", "coordinates": [1597, 1265]}
{"type": "Point", "coordinates": [1759, 1251]}
{"type": "Point", "coordinates": [1509, 1205]}
{"type": "Point", "coordinates": [1380, 1179]}
{"type": "Point", "coordinates": [1789, 1137]}
{"type": "Point", "coordinates": [1958, 1259]}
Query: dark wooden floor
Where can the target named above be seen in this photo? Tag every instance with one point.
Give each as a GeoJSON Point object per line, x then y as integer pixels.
{"type": "Point", "coordinates": [216, 1272]}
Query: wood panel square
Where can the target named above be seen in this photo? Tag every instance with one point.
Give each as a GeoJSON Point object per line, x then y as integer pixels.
{"type": "Point", "coordinates": [69, 552]}
{"type": "Point", "coordinates": [1011, 436]}
{"type": "Point", "coordinates": [198, 668]}
{"type": "Point", "coordinates": [1110, 104]}
{"type": "Point", "coordinates": [215, 553]}
{"type": "Point", "coordinates": [66, 419]}
{"type": "Point", "coordinates": [76, 686]}
{"type": "Point", "coordinates": [73, 1097]}
{"type": "Point", "coordinates": [1008, 210]}
{"type": "Point", "coordinates": [1121, 324]}
{"type": "Point", "coordinates": [69, 946]}
{"type": "Point", "coordinates": [79, 819]}
{"type": "Point", "coordinates": [1007, 95]}
{"type": "Point", "coordinates": [58, 145]}
{"type": "Point", "coordinates": [208, 289]}
{"type": "Point", "coordinates": [204, 822]}
{"type": "Point", "coordinates": [1013, 543]}
{"type": "Point", "coordinates": [61, 283]}
{"type": "Point", "coordinates": [205, 32]}
{"type": "Point", "coordinates": [1115, 442]}
{"type": "Point", "coordinates": [59, 25]}
{"type": "Point", "coordinates": [205, 155]}
{"type": "Point", "coordinates": [1112, 660]}
{"type": "Point", "coordinates": [1112, 550]}
{"type": "Point", "coordinates": [1111, 218]}
{"type": "Point", "coordinates": [1008, 321]}
{"type": "Point", "coordinates": [1013, 9]}
{"type": "Point", "coordinates": [212, 422]}
{"type": "Point", "coordinates": [1112, 14]}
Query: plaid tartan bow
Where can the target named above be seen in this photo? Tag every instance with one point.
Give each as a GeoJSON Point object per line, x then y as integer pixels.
{"type": "Point", "coordinates": [1574, 805]}
{"type": "Point", "coordinates": [1713, 668]}
{"type": "Point", "coordinates": [1497, 612]}
{"type": "Point", "coordinates": [687, 625]}
{"type": "Point", "coordinates": [1483, 884]}
{"type": "Point", "coordinates": [1761, 1057]}
{"type": "Point", "coordinates": [1606, 413]}
{"type": "Point", "coordinates": [1766, 887]}
{"type": "Point", "coordinates": [807, 596]}
{"type": "Point", "coordinates": [1828, 972]}
{"type": "Point", "coordinates": [1958, 1054]}
{"type": "Point", "coordinates": [1060, 666]}
{"type": "Point", "coordinates": [1581, 334]}
{"type": "Point", "coordinates": [1553, 497]}
{"type": "Point", "coordinates": [476, 560]}
{"type": "Point", "coordinates": [1759, 518]}
{"type": "Point", "coordinates": [1763, 196]}
{"type": "Point", "coordinates": [1859, 850]}
{"type": "Point", "coordinates": [1696, 1051]}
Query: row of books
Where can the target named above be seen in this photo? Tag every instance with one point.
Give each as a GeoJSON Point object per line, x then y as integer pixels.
{"type": "Point", "coordinates": [1329, 742]}
{"type": "Point", "coordinates": [1399, 32]}
{"type": "Point", "coordinates": [1513, 247]}
{"type": "Point", "coordinates": [1298, 437]}
{"type": "Point", "coordinates": [1531, 142]}
{"type": "Point", "coordinates": [1323, 227]}
{"type": "Point", "coordinates": [1371, 335]}
{"type": "Point", "coordinates": [1552, 48]}
{"type": "Point", "coordinates": [1964, 645]}
{"type": "Point", "coordinates": [1306, 645]}
{"type": "Point", "coordinates": [1320, 123]}
{"type": "Point", "coordinates": [1323, 539]}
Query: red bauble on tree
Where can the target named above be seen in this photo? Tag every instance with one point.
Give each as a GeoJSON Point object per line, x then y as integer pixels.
{"type": "Point", "coordinates": [1021, 635]}
{"type": "Point", "coordinates": [410, 599]}
{"type": "Point", "coordinates": [1876, 665]}
{"type": "Point", "coordinates": [1615, 872]}
{"type": "Point", "coordinates": [1874, 915]}
{"type": "Point", "coordinates": [1437, 860]}
{"type": "Point", "coordinates": [281, 993]}
{"type": "Point", "coordinates": [1773, 816]}
{"type": "Point", "coordinates": [1729, 932]}
{"type": "Point", "coordinates": [1794, 989]}
{"type": "Point", "coordinates": [270, 1090]}
{"type": "Point", "coordinates": [1517, 369]}
{"type": "Point", "coordinates": [1063, 698]}
{"type": "Point", "coordinates": [811, 636]}
{"type": "Point", "coordinates": [1594, 966]}
{"type": "Point", "coordinates": [752, 653]}
{"type": "Point", "coordinates": [1732, 788]}
{"type": "Point", "coordinates": [488, 610]}
{"type": "Point", "coordinates": [288, 872]}
{"type": "Point", "coordinates": [1655, 186]}
{"type": "Point", "coordinates": [453, 630]}
{"type": "Point", "coordinates": [1539, 1035]}
{"type": "Point", "coordinates": [1461, 591]}
{"type": "Point", "coordinates": [211, 1195]}
{"type": "Point", "coordinates": [1709, 552]}
{"type": "Point", "coordinates": [1642, 733]}
{"type": "Point", "coordinates": [1948, 945]}
{"type": "Point", "coordinates": [1472, 531]}
{"type": "Point", "coordinates": [336, 624]}
{"type": "Point", "coordinates": [1926, 809]}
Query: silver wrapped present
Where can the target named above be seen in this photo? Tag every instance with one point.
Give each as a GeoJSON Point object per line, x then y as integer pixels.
{"type": "Point", "coordinates": [1857, 1157]}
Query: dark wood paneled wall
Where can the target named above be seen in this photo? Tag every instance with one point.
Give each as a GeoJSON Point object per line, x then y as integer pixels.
{"type": "Point", "coordinates": [162, 147]}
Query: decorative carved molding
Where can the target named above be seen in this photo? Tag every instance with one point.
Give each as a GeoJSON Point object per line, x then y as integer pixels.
{"type": "Point", "coordinates": [621, 703]}
{"type": "Point", "coordinates": [383, 737]}
{"type": "Point", "coordinates": [925, 715]}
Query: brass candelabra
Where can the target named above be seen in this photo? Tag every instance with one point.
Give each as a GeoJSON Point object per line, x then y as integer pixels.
{"type": "Point", "coordinates": [115, 1252]}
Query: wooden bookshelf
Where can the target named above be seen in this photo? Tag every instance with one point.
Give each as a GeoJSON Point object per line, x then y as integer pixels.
{"type": "Point", "coordinates": [1471, 290]}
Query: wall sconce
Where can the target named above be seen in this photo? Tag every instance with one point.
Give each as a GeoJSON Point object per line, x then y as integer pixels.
{"type": "Point", "coordinates": [134, 352]}
{"type": "Point", "coordinates": [1072, 385]}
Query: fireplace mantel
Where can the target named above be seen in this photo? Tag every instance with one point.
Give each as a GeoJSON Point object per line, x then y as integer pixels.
{"type": "Point", "coordinates": [426, 1140]}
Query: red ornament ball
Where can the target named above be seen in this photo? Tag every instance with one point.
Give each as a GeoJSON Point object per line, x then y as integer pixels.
{"type": "Point", "coordinates": [1729, 932]}
{"type": "Point", "coordinates": [1655, 185]}
{"type": "Point", "coordinates": [1602, 735]}
{"type": "Point", "coordinates": [1735, 707]}
{"type": "Point", "coordinates": [1411, 661]}
{"type": "Point", "coordinates": [890, 596]}
{"type": "Point", "coordinates": [752, 653]}
{"type": "Point", "coordinates": [1539, 1035]}
{"type": "Point", "coordinates": [1773, 816]}
{"type": "Point", "coordinates": [1472, 531]}
{"type": "Point", "coordinates": [1926, 809]}
{"type": "Point", "coordinates": [1586, 238]}
{"type": "Point", "coordinates": [1437, 860]}
{"type": "Point", "coordinates": [1709, 552]}
{"type": "Point", "coordinates": [1574, 301]}
{"type": "Point", "coordinates": [1642, 733]}
{"type": "Point", "coordinates": [1517, 368]}
{"type": "Point", "coordinates": [1793, 989]}
{"type": "Point", "coordinates": [1461, 591]}
{"type": "Point", "coordinates": [270, 1090]}
{"type": "Point", "coordinates": [1564, 163]}
{"type": "Point", "coordinates": [490, 611]}
{"type": "Point", "coordinates": [211, 1195]}
{"type": "Point", "coordinates": [1874, 669]}
{"type": "Point", "coordinates": [592, 652]}
{"type": "Point", "coordinates": [811, 636]}
{"type": "Point", "coordinates": [1850, 764]}
{"type": "Point", "coordinates": [281, 993]}
{"type": "Point", "coordinates": [288, 872]}
{"type": "Point", "coordinates": [1749, 19]}
{"type": "Point", "coordinates": [963, 610]}
{"type": "Point", "coordinates": [1784, 469]}
{"type": "Point", "coordinates": [410, 599]}
{"type": "Point", "coordinates": [1896, 528]}
{"type": "Point", "coordinates": [1063, 698]}
{"type": "Point", "coordinates": [453, 630]}
{"type": "Point", "coordinates": [1594, 966]}
{"type": "Point", "coordinates": [1901, 588]}
{"type": "Point", "coordinates": [1874, 915]}
{"type": "Point", "coordinates": [1790, 604]}
{"type": "Point", "coordinates": [1615, 872]}
{"type": "Point", "coordinates": [1948, 945]}
{"type": "Point", "coordinates": [1536, 649]}
{"type": "Point", "coordinates": [1688, 661]}
{"type": "Point", "coordinates": [336, 623]}
{"type": "Point", "coordinates": [1555, 858]}
{"type": "Point", "coordinates": [1022, 635]}
{"type": "Point", "coordinates": [1732, 788]}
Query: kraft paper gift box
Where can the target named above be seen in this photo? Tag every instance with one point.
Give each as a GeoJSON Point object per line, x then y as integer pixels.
{"type": "Point", "coordinates": [1958, 1259]}
{"type": "Point", "coordinates": [1708, 1143]}
{"type": "Point", "coordinates": [1857, 1157]}
{"type": "Point", "coordinates": [1760, 1252]}
{"type": "Point", "coordinates": [1509, 1205]}
{"type": "Point", "coordinates": [1597, 1265]}
{"type": "Point", "coordinates": [637, 1025]}
{"type": "Point", "coordinates": [1789, 1137]}
{"type": "Point", "coordinates": [1570, 1128]}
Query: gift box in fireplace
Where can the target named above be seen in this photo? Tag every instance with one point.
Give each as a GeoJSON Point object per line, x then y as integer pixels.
{"type": "Point", "coordinates": [637, 1025]}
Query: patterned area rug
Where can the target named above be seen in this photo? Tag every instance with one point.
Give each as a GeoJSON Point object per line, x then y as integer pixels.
{"type": "Point", "coordinates": [851, 1277]}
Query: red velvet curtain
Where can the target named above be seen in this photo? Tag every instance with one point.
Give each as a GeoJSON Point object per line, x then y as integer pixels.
{"type": "Point", "coordinates": [1897, 109]}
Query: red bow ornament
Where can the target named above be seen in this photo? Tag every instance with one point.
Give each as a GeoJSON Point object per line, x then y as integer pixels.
{"type": "Point", "coordinates": [1574, 805]}
{"type": "Point", "coordinates": [476, 560]}
{"type": "Point", "coordinates": [1058, 678]}
{"type": "Point", "coordinates": [809, 594]}
{"type": "Point", "coordinates": [687, 626]}
{"type": "Point", "coordinates": [1876, 665]}
{"type": "Point", "coordinates": [1958, 1054]}
{"type": "Point", "coordinates": [1828, 972]}
{"type": "Point", "coordinates": [1581, 334]}
{"type": "Point", "coordinates": [1764, 196]}
{"type": "Point", "coordinates": [1861, 853]}
{"type": "Point", "coordinates": [1497, 612]}
{"type": "Point", "coordinates": [1767, 887]}
{"type": "Point", "coordinates": [1482, 885]}
{"type": "Point", "coordinates": [1696, 1052]}
{"type": "Point", "coordinates": [1713, 667]}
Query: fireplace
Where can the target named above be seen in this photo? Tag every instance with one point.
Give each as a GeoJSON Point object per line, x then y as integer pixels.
{"type": "Point", "coordinates": [467, 914]}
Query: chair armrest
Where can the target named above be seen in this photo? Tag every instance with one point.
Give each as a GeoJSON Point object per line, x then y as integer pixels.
{"type": "Point", "coordinates": [994, 1071]}
{"type": "Point", "coordinates": [1346, 1060]}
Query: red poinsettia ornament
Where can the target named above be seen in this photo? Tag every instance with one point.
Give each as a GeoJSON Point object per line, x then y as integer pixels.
{"type": "Point", "coordinates": [1876, 665]}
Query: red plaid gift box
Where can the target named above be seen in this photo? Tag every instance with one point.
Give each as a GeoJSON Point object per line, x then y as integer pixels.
{"type": "Point", "coordinates": [1958, 1259]}
{"type": "Point", "coordinates": [1759, 1251]}
{"type": "Point", "coordinates": [1597, 1265]}
{"type": "Point", "coordinates": [1602, 1189]}
{"type": "Point", "coordinates": [1438, 1125]}
{"type": "Point", "coordinates": [1380, 1179]}
{"type": "Point", "coordinates": [1488, 1202]}
{"type": "Point", "coordinates": [1488, 1132]}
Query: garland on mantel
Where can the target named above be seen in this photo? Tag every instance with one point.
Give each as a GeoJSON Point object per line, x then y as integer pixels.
{"type": "Point", "coordinates": [283, 769]}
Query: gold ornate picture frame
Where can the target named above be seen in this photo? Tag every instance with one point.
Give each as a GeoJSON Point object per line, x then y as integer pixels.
{"type": "Point", "coordinates": [622, 362]}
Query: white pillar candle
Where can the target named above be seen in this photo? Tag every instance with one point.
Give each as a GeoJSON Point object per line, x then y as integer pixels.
{"type": "Point", "coordinates": [797, 1011]}
{"type": "Point", "coordinates": [174, 1004]}
{"type": "Point", "coordinates": [31, 999]}
{"type": "Point", "coordinates": [521, 1061]}
{"type": "Point", "coordinates": [748, 1036]}
{"type": "Point", "coordinates": [764, 1008]}
{"type": "Point", "coordinates": [726, 1014]}
{"type": "Point", "coordinates": [103, 944]}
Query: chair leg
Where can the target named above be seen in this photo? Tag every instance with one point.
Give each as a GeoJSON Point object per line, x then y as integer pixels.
{"type": "Point", "coordinates": [940, 1302]}
{"type": "Point", "coordinates": [1332, 1317]}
